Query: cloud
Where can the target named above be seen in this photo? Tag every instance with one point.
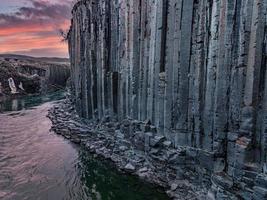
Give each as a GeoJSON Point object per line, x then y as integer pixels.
{"type": "Point", "coordinates": [40, 13]}
{"type": "Point", "coordinates": [45, 52]}
{"type": "Point", "coordinates": [35, 24]}
{"type": "Point", "coordinates": [43, 10]}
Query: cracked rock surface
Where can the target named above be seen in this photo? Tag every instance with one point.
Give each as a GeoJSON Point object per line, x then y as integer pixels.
{"type": "Point", "coordinates": [183, 82]}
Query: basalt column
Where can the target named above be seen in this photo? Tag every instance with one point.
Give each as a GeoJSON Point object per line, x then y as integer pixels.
{"type": "Point", "coordinates": [195, 69]}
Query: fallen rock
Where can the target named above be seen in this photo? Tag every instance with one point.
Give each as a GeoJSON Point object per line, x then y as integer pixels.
{"type": "Point", "coordinates": [157, 140]}
{"type": "Point", "coordinates": [129, 167]}
{"type": "Point", "coordinates": [167, 143]}
{"type": "Point", "coordinates": [174, 186]}
{"type": "Point", "coordinates": [123, 148]}
{"type": "Point", "coordinates": [143, 170]}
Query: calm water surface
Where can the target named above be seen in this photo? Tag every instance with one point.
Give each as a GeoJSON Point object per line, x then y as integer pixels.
{"type": "Point", "coordinates": [37, 164]}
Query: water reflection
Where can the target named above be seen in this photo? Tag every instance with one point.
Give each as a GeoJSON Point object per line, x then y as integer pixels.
{"type": "Point", "coordinates": [104, 182]}
{"type": "Point", "coordinates": [10, 104]}
{"type": "Point", "coordinates": [15, 104]}
{"type": "Point", "coordinates": [37, 164]}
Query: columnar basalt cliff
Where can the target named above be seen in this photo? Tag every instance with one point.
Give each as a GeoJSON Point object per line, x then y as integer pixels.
{"type": "Point", "coordinates": [194, 69]}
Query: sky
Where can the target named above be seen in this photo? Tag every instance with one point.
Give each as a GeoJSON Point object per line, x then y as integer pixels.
{"type": "Point", "coordinates": [31, 27]}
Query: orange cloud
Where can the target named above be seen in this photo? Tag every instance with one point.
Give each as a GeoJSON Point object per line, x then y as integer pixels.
{"type": "Point", "coordinates": [26, 39]}
{"type": "Point", "coordinates": [35, 30]}
{"type": "Point", "coordinates": [17, 30]}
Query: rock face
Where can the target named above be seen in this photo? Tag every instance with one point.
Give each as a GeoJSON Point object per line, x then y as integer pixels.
{"type": "Point", "coordinates": [34, 75]}
{"type": "Point", "coordinates": [194, 69]}
{"type": "Point", "coordinates": [31, 84]}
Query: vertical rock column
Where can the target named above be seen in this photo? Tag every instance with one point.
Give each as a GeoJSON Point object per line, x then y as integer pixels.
{"type": "Point", "coordinates": [195, 69]}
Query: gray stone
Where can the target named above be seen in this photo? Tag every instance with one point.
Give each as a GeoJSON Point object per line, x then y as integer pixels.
{"type": "Point", "coordinates": [148, 137]}
{"type": "Point", "coordinates": [123, 148]}
{"type": "Point", "coordinates": [167, 143]}
{"type": "Point", "coordinates": [219, 165]}
{"type": "Point", "coordinates": [259, 193]}
{"type": "Point", "coordinates": [174, 186]}
{"type": "Point", "coordinates": [157, 140]}
{"type": "Point", "coordinates": [129, 167]}
{"type": "Point", "coordinates": [261, 180]}
{"type": "Point", "coordinates": [143, 170]}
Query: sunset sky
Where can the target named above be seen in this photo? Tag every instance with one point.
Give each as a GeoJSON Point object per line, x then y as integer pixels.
{"type": "Point", "coordinates": [31, 27]}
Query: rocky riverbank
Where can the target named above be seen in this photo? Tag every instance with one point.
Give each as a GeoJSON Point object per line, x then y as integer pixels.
{"type": "Point", "coordinates": [135, 147]}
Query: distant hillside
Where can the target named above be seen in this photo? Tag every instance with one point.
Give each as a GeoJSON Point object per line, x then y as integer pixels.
{"type": "Point", "coordinates": [35, 59]}
{"type": "Point", "coordinates": [37, 75]}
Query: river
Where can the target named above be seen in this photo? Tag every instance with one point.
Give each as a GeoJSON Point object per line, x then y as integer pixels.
{"type": "Point", "coordinates": [37, 164]}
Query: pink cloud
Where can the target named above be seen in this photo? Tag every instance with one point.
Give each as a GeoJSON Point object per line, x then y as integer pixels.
{"type": "Point", "coordinates": [33, 29]}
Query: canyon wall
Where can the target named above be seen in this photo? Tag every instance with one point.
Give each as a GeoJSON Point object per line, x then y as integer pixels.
{"type": "Point", "coordinates": [49, 73]}
{"type": "Point", "coordinates": [195, 69]}
{"type": "Point", "coordinates": [57, 75]}
{"type": "Point", "coordinates": [52, 76]}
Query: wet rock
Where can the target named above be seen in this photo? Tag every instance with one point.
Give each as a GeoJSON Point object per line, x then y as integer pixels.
{"type": "Point", "coordinates": [219, 165]}
{"type": "Point", "coordinates": [259, 193]}
{"type": "Point", "coordinates": [147, 122]}
{"type": "Point", "coordinates": [223, 180]}
{"type": "Point", "coordinates": [154, 151]}
{"type": "Point", "coordinates": [143, 170]}
{"type": "Point", "coordinates": [129, 167]}
{"type": "Point", "coordinates": [174, 186]}
{"type": "Point", "coordinates": [167, 144]}
{"type": "Point", "coordinates": [146, 126]}
{"type": "Point", "coordinates": [126, 123]}
{"type": "Point", "coordinates": [177, 159]}
{"type": "Point", "coordinates": [75, 140]}
{"type": "Point", "coordinates": [119, 134]}
{"type": "Point", "coordinates": [123, 148]}
{"type": "Point", "coordinates": [148, 136]}
{"type": "Point", "coordinates": [206, 159]}
{"type": "Point", "coordinates": [157, 141]}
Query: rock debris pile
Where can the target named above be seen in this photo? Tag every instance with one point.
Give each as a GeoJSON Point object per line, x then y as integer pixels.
{"type": "Point", "coordinates": [134, 147]}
